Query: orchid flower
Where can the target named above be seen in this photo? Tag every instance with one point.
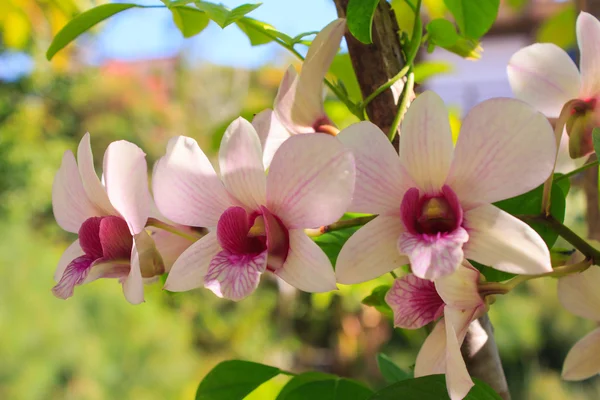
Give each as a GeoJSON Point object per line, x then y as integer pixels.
{"type": "Point", "coordinates": [546, 77]}
{"type": "Point", "coordinates": [579, 294]}
{"type": "Point", "coordinates": [259, 219]}
{"type": "Point", "coordinates": [417, 302]}
{"type": "Point", "coordinates": [434, 201]}
{"type": "Point", "coordinates": [109, 220]}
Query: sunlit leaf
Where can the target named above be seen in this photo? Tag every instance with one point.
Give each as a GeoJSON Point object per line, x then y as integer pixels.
{"type": "Point", "coordinates": [222, 15]}
{"type": "Point", "coordinates": [82, 23]}
{"type": "Point", "coordinates": [442, 32]}
{"type": "Point", "coordinates": [427, 69]}
{"type": "Point", "coordinates": [377, 299]}
{"type": "Point", "coordinates": [343, 70]}
{"type": "Point", "coordinates": [405, 16]}
{"type": "Point", "coordinates": [474, 18]}
{"type": "Point", "coordinates": [302, 379]}
{"type": "Point", "coordinates": [330, 389]}
{"type": "Point", "coordinates": [331, 242]}
{"type": "Point", "coordinates": [259, 32]}
{"type": "Point", "coordinates": [390, 371]}
{"type": "Point", "coordinates": [234, 379]}
{"type": "Point", "coordinates": [359, 15]}
{"type": "Point", "coordinates": [559, 28]}
{"type": "Point", "coordinates": [189, 20]}
{"type": "Point", "coordinates": [431, 387]}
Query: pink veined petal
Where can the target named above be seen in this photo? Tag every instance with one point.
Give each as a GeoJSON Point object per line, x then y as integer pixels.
{"type": "Point", "coordinates": [311, 180]}
{"type": "Point", "coordinates": [307, 267]}
{"type": "Point", "coordinates": [271, 133]}
{"type": "Point", "coordinates": [235, 276]}
{"type": "Point", "coordinates": [71, 253]}
{"type": "Point", "coordinates": [93, 187]}
{"type": "Point", "coordinates": [432, 257]}
{"type": "Point", "coordinates": [89, 237]}
{"type": "Point", "coordinates": [371, 252]}
{"type": "Point", "coordinates": [126, 177]}
{"type": "Point", "coordinates": [460, 290]}
{"type": "Point", "coordinates": [187, 189]}
{"type": "Point", "coordinates": [503, 242]}
{"type": "Point", "coordinates": [426, 146]}
{"type": "Point", "coordinates": [583, 360]}
{"type": "Point", "coordinates": [458, 381]}
{"type": "Point", "coordinates": [588, 37]}
{"type": "Point", "coordinates": [240, 159]}
{"type": "Point", "coordinates": [431, 359]}
{"type": "Point", "coordinates": [188, 271]}
{"type": "Point", "coordinates": [579, 293]}
{"type": "Point", "coordinates": [505, 148]}
{"type": "Point", "coordinates": [232, 230]}
{"type": "Point", "coordinates": [381, 181]}
{"type": "Point", "coordinates": [414, 301]}
{"type": "Point", "coordinates": [544, 76]}
{"type": "Point", "coordinates": [73, 275]}
{"type": "Point", "coordinates": [70, 203]}
{"type": "Point", "coordinates": [133, 285]}
{"type": "Point", "coordinates": [115, 238]}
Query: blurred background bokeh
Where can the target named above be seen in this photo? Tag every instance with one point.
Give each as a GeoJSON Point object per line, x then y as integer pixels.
{"type": "Point", "coordinates": [136, 78]}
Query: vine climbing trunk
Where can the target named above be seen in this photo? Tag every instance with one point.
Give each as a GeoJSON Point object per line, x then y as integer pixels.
{"type": "Point", "coordinates": [374, 65]}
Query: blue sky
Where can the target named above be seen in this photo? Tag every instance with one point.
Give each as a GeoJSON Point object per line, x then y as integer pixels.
{"type": "Point", "coordinates": [151, 33]}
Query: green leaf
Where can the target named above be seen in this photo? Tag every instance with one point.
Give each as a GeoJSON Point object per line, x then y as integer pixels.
{"type": "Point", "coordinates": [222, 15]}
{"type": "Point", "coordinates": [259, 32]}
{"type": "Point", "coordinates": [302, 379]}
{"type": "Point", "coordinates": [530, 203]}
{"type": "Point", "coordinates": [330, 389]}
{"type": "Point", "coordinates": [359, 15]}
{"type": "Point", "coordinates": [442, 32]}
{"type": "Point", "coordinates": [234, 380]}
{"type": "Point", "coordinates": [343, 70]}
{"type": "Point", "coordinates": [390, 371]}
{"type": "Point", "coordinates": [189, 20]}
{"type": "Point", "coordinates": [331, 242]}
{"type": "Point", "coordinates": [298, 38]}
{"type": "Point", "coordinates": [559, 28]}
{"type": "Point", "coordinates": [377, 299]}
{"type": "Point", "coordinates": [82, 23]}
{"type": "Point", "coordinates": [596, 142]}
{"type": "Point", "coordinates": [427, 69]}
{"type": "Point", "coordinates": [474, 18]}
{"type": "Point", "coordinates": [491, 274]}
{"type": "Point", "coordinates": [432, 387]}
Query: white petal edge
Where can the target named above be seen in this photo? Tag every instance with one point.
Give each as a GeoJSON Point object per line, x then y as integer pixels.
{"type": "Point", "coordinates": [271, 133]}
{"type": "Point", "coordinates": [133, 285]}
{"type": "Point", "coordinates": [93, 187]}
{"type": "Point", "coordinates": [72, 252]}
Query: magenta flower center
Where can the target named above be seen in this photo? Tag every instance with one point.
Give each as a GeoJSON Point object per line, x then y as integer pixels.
{"type": "Point", "coordinates": [431, 214]}
{"type": "Point", "coordinates": [242, 234]}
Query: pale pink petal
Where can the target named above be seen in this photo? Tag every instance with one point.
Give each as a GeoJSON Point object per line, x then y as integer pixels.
{"type": "Point", "coordinates": [460, 289]}
{"type": "Point", "coordinates": [431, 359]}
{"type": "Point", "coordinates": [71, 253]}
{"type": "Point", "coordinates": [235, 276]}
{"type": "Point", "coordinates": [188, 271]}
{"type": "Point", "coordinates": [70, 204]}
{"type": "Point", "coordinates": [240, 159]}
{"type": "Point", "coordinates": [170, 246]}
{"type": "Point", "coordinates": [544, 76]}
{"type": "Point", "coordinates": [588, 37]}
{"type": "Point", "coordinates": [505, 148]}
{"type": "Point", "coordinates": [583, 360]}
{"type": "Point", "coordinates": [426, 146]}
{"type": "Point", "coordinates": [299, 101]}
{"type": "Point", "coordinates": [186, 188]}
{"type": "Point", "coordinates": [311, 180]}
{"type": "Point", "coordinates": [271, 133]}
{"type": "Point", "coordinates": [432, 257]}
{"type": "Point", "coordinates": [307, 267]}
{"type": "Point", "coordinates": [503, 242]}
{"type": "Point", "coordinates": [414, 301]}
{"type": "Point", "coordinates": [458, 381]}
{"type": "Point", "coordinates": [93, 187]}
{"type": "Point", "coordinates": [133, 285]}
{"type": "Point", "coordinates": [381, 181]}
{"type": "Point", "coordinates": [371, 252]}
{"type": "Point", "coordinates": [126, 177]}
{"type": "Point", "coordinates": [579, 293]}
{"type": "Point", "coordinates": [108, 269]}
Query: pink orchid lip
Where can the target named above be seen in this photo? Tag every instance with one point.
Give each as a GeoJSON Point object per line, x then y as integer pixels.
{"type": "Point", "coordinates": [103, 240]}
{"type": "Point", "coordinates": [431, 214]}
{"type": "Point", "coordinates": [582, 106]}
{"type": "Point", "coordinates": [241, 233]}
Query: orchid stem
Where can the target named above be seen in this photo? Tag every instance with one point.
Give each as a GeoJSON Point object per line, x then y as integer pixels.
{"type": "Point", "coordinates": [343, 224]}
{"type": "Point", "coordinates": [393, 274]}
{"type": "Point", "coordinates": [403, 106]}
{"type": "Point", "coordinates": [576, 171]}
{"type": "Point", "coordinates": [170, 228]}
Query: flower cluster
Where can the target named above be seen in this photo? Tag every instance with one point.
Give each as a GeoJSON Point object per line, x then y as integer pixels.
{"type": "Point", "coordinates": [290, 170]}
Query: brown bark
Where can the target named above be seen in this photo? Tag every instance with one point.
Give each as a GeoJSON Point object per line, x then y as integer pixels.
{"type": "Point", "coordinates": [377, 63]}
